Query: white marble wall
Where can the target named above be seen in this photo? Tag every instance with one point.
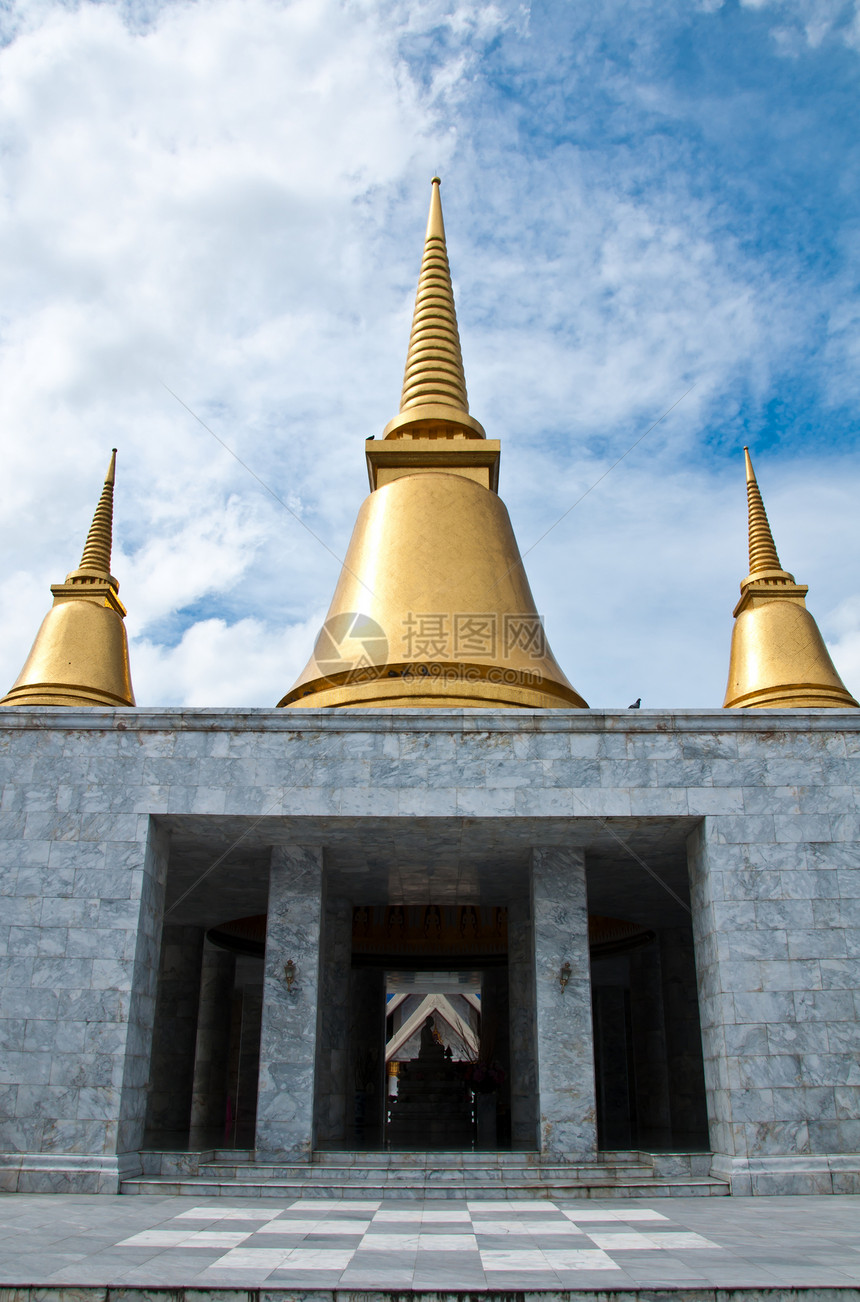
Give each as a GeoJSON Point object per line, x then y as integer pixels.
{"type": "Point", "coordinates": [565, 1054]}
{"type": "Point", "coordinates": [83, 885]}
{"type": "Point", "coordinates": [288, 1044]}
{"type": "Point", "coordinates": [778, 956]}
{"type": "Point", "coordinates": [776, 897]}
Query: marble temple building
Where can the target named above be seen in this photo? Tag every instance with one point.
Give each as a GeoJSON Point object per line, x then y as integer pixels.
{"type": "Point", "coordinates": [431, 921]}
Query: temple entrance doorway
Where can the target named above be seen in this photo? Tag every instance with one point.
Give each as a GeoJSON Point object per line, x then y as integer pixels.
{"type": "Point", "coordinates": [446, 1060]}
{"type": "Point", "coordinates": [428, 1030]}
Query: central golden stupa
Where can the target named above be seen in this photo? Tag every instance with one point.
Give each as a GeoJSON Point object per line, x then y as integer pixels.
{"type": "Point", "coordinates": [433, 607]}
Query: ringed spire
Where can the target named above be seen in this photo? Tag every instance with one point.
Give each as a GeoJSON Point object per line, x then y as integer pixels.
{"type": "Point", "coordinates": [97, 548]}
{"type": "Point", "coordinates": [434, 362]}
{"type": "Point", "coordinates": [762, 547]}
{"type": "Point", "coordinates": [434, 401]}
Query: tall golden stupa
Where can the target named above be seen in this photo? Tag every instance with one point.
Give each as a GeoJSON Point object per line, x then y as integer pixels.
{"type": "Point", "coordinates": [80, 655]}
{"type": "Point", "coordinates": [433, 607]}
{"type": "Point", "coordinates": [778, 659]}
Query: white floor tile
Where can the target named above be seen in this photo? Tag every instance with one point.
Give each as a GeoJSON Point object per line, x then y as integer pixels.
{"type": "Point", "coordinates": [337, 1225]}
{"type": "Point", "coordinates": [283, 1225]}
{"type": "Point", "coordinates": [541, 1227]}
{"type": "Point", "coordinates": [217, 1238]}
{"type": "Point", "coordinates": [454, 1215]}
{"type": "Point", "coordinates": [203, 1214]}
{"type": "Point", "coordinates": [157, 1238]}
{"type": "Point", "coordinates": [251, 1259]}
{"type": "Point", "coordinates": [448, 1242]}
{"type": "Point", "coordinates": [515, 1259]}
{"type": "Point", "coordinates": [513, 1205]}
{"type": "Point", "coordinates": [329, 1204]}
{"type": "Point", "coordinates": [577, 1259]}
{"type": "Point", "coordinates": [228, 1213]}
{"type": "Point", "coordinates": [621, 1241]}
{"type": "Point", "coordinates": [641, 1214]}
{"type": "Point", "coordinates": [682, 1239]}
{"type": "Point", "coordinates": [586, 1214]}
{"type": "Point", "coordinates": [390, 1242]}
{"type": "Point", "coordinates": [396, 1214]}
{"type": "Point", "coordinates": [319, 1258]}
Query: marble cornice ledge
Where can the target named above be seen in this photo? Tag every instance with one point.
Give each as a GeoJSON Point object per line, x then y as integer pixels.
{"type": "Point", "coordinates": [636, 722]}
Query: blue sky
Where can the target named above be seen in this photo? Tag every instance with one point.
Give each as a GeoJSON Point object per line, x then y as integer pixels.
{"type": "Point", "coordinates": [229, 198]}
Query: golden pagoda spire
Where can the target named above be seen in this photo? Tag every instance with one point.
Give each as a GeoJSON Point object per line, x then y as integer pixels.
{"type": "Point", "coordinates": [97, 548]}
{"type": "Point", "coordinates": [434, 362]}
{"type": "Point", "coordinates": [80, 655]}
{"type": "Point", "coordinates": [433, 607]}
{"type": "Point", "coordinates": [433, 429]}
{"type": "Point", "coordinates": [778, 656]}
{"type": "Point", "coordinates": [762, 548]}
{"type": "Point", "coordinates": [434, 402]}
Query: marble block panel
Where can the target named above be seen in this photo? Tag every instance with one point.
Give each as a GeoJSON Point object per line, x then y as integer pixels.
{"type": "Point", "coordinates": [565, 1052]}
{"type": "Point", "coordinates": [289, 1031]}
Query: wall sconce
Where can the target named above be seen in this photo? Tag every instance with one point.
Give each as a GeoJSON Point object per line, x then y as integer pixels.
{"type": "Point", "coordinates": [564, 975]}
{"type": "Point", "coordinates": [290, 974]}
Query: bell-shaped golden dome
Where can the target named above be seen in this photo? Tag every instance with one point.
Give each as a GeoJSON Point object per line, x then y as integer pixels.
{"type": "Point", "coordinates": [778, 657]}
{"type": "Point", "coordinates": [80, 655]}
{"type": "Point", "coordinates": [433, 607]}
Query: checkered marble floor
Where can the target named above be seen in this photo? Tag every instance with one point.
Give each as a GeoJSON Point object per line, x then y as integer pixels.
{"type": "Point", "coordinates": [475, 1242]}
{"type": "Point", "coordinates": [453, 1245]}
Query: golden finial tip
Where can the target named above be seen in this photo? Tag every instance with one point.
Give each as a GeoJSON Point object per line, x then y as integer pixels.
{"type": "Point", "coordinates": [749, 466]}
{"type": "Point", "coordinates": [435, 180]}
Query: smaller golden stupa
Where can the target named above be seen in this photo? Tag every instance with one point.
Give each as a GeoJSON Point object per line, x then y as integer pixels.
{"type": "Point", "coordinates": [778, 659]}
{"type": "Point", "coordinates": [80, 655]}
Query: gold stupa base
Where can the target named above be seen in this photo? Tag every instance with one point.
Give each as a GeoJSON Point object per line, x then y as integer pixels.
{"type": "Point", "coordinates": [49, 694]}
{"type": "Point", "coordinates": [433, 575]}
{"type": "Point", "coordinates": [795, 696]}
{"type": "Point", "coordinates": [449, 687]}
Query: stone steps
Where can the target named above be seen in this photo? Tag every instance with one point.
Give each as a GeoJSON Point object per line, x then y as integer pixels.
{"type": "Point", "coordinates": [432, 1176]}
{"type": "Point", "coordinates": [204, 1187]}
{"type": "Point", "coordinates": [430, 1172]}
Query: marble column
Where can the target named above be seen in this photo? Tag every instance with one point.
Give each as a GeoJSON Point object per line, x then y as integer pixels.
{"type": "Point", "coordinates": [522, 1023]}
{"type": "Point", "coordinates": [175, 1032]}
{"type": "Point", "coordinates": [565, 1052]}
{"type": "Point", "coordinates": [212, 1054]}
{"type": "Point", "coordinates": [289, 1026]}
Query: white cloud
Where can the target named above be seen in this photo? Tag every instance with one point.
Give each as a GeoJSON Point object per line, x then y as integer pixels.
{"type": "Point", "coordinates": [229, 199]}
{"type": "Point", "coordinates": [844, 645]}
{"type": "Point", "coordinates": [241, 664]}
{"type": "Point", "coordinates": [807, 24]}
